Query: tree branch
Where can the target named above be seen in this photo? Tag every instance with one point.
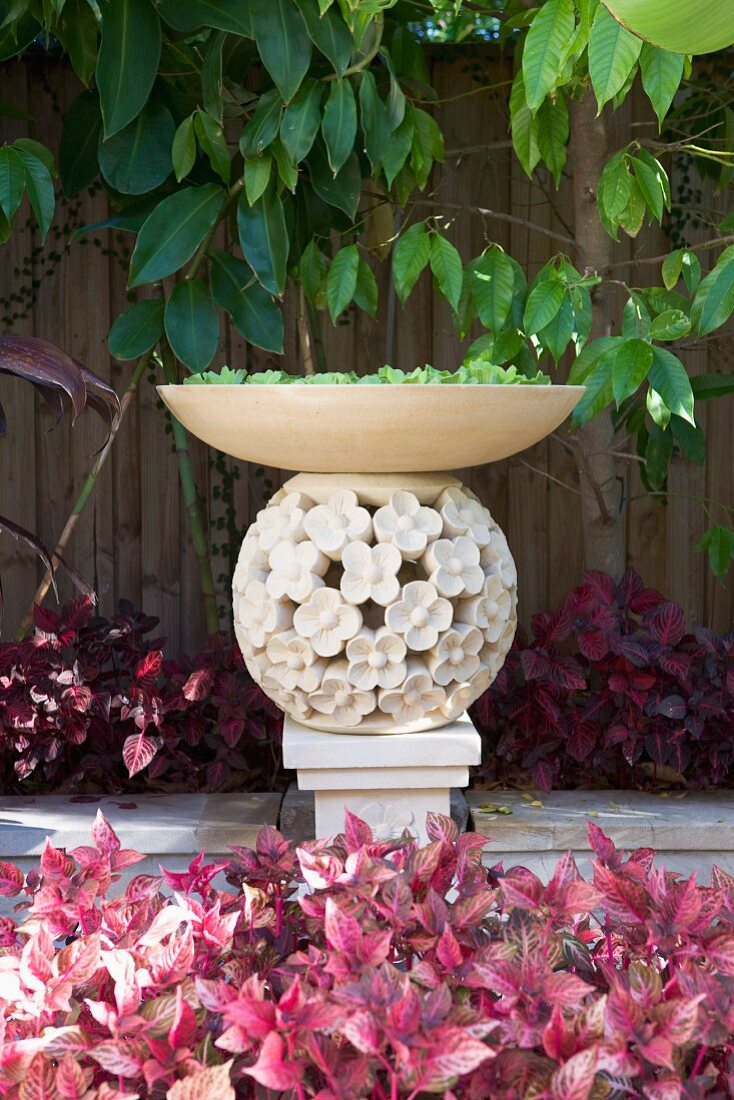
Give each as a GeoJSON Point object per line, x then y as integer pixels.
{"type": "Point", "coordinates": [498, 215]}
{"type": "Point", "coordinates": [713, 243]}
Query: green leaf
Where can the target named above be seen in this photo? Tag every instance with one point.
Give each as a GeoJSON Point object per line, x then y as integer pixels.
{"type": "Point", "coordinates": [40, 184]}
{"type": "Point", "coordinates": [365, 292]}
{"type": "Point", "coordinates": [552, 135]}
{"type": "Point", "coordinates": [691, 270]}
{"type": "Point", "coordinates": [373, 117]}
{"type": "Point", "coordinates": [447, 269]}
{"type": "Point", "coordinates": [690, 440]}
{"type": "Point", "coordinates": [312, 269]}
{"type": "Point", "coordinates": [662, 73]}
{"type": "Point", "coordinates": [670, 325]}
{"type": "Point", "coordinates": [192, 324]}
{"type": "Point", "coordinates": [12, 181]}
{"type": "Point", "coordinates": [411, 255]}
{"type": "Point", "coordinates": [189, 15]}
{"type": "Point", "coordinates": [632, 218]}
{"type": "Point", "coordinates": [264, 239]}
{"type": "Point", "coordinates": [77, 32]}
{"type": "Point", "coordinates": [212, 141]}
{"type": "Point", "coordinates": [341, 282]}
{"type": "Point", "coordinates": [585, 361]}
{"type": "Point", "coordinates": [283, 43]}
{"type": "Point", "coordinates": [719, 542]}
{"type": "Point", "coordinates": [658, 453]}
{"type": "Point", "coordinates": [287, 171]}
{"type": "Point", "coordinates": [211, 79]}
{"type": "Point", "coordinates": [183, 150]}
{"type": "Point", "coordinates": [635, 317]}
{"type": "Point", "coordinates": [613, 53]}
{"type": "Point", "coordinates": [339, 124]}
{"type": "Point", "coordinates": [706, 386]}
{"type": "Point", "coordinates": [341, 190]}
{"type": "Point", "coordinates": [668, 376]}
{"type": "Point", "coordinates": [301, 121]}
{"type": "Point", "coordinates": [544, 52]}
{"type": "Point", "coordinates": [137, 158]}
{"type": "Point", "coordinates": [173, 231]}
{"type": "Point", "coordinates": [657, 408]}
{"type": "Point", "coordinates": [254, 313]}
{"type": "Point", "coordinates": [136, 330]}
{"type": "Point", "coordinates": [523, 127]}
{"type": "Point", "coordinates": [128, 60]}
{"type": "Point", "coordinates": [556, 335]}
{"type": "Point", "coordinates": [329, 34]}
{"type": "Point", "coordinates": [427, 145]}
{"type": "Point", "coordinates": [78, 164]}
{"type": "Point", "coordinates": [397, 149]}
{"type": "Point", "coordinates": [264, 125]}
{"type": "Point", "coordinates": [257, 176]}
{"type": "Point", "coordinates": [542, 305]}
{"type": "Point", "coordinates": [613, 192]}
{"type": "Point", "coordinates": [492, 282]}
{"type": "Point", "coordinates": [650, 184]}
{"type": "Point", "coordinates": [672, 267]}
{"type": "Point", "coordinates": [714, 300]}
{"type": "Point", "coordinates": [599, 390]}
{"type": "Point", "coordinates": [631, 362]}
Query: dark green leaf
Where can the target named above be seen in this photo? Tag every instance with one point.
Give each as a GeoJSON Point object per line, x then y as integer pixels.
{"type": "Point", "coordinates": [211, 79]}
{"type": "Point", "coordinates": [136, 330]}
{"type": "Point", "coordinates": [342, 190]}
{"type": "Point", "coordinates": [397, 149]}
{"type": "Point", "coordinates": [257, 176]}
{"type": "Point", "coordinates": [556, 335]}
{"type": "Point", "coordinates": [329, 34]}
{"type": "Point", "coordinates": [40, 186]}
{"type": "Point", "coordinates": [283, 43]}
{"type": "Point", "coordinates": [544, 52]}
{"type": "Point", "coordinates": [411, 255]}
{"type": "Point", "coordinates": [598, 382]}
{"type": "Point", "coordinates": [77, 32]}
{"type": "Point", "coordinates": [719, 541]}
{"type": "Point", "coordinates": [287, 171]}
{"type": "Point", "coordinates": [524, 127]}
{"type": "Point", "coordinates": [691, 270]}
{"type": "Point", "coordinates": [662, 72]}
{"type": "Point", "coordinates": [189, 15]}
{"type": "Point", "coordinates": [672, 267]}
{"type": "Point", "coordinates": [650, 185]}
{"type": "Point", "coordinates": [301, 121]}
{"type": "Point", "coordinates": [78, 164]}
{"type": "Point", "coordinates": [264, 239]}
{"type": "Point", "coordinates": [447, 269]}
{"type": "Point", "coordinates": [706, 386]}
{"type": "Point", "coordinates": [341, 282]}
{"type": "Point", "coordinates": [552, 135]}
{"type": "Point", "coordinates": [254, 313]}
{"type": "Point", "coordinates": [365, 292]}
{"type": "Point", "coordinates": [613, 54]}
{"type": "Point", "coordinates": [668, 376]}
{"type": "Point", "coordinates": [212, 141]}
{"type": "Point", "coordinates": [427, 145]}
{"type": "Point", "coordinates": [12, 181]}
{"type": "Point", "coordinates": [339, 124]}
{"type": "Point", "coordinates": [492, 281]}
{"type": "Point", "coordinates": [138, 158]}
{"type": "Point", "coordinates": [589, 357]}
{"type": "Point", "coordinates": [264, 125]}
{"type": "Point", "coordinates": [632, 360]}
{"type": "Point", "coordinates": [128, 60]}
{"type": "Point", "coordinates": [172, 232]}
{"type": "Point", "coordinates": [312, 269]}
{"type": "Point", "coordinates": [690, 439]}
{"type": "Point", "coordinates": [714, 301]}
{"type": "Point", "coordinates": [657, 456]}
{"type": "Point", "coordinates": [183, 150]}
{"type": "Point", "coordinates": [670, 325]}
{"type": "Point", "coordinates": [543, 304]}
{"type": "Point", "coordinates": [373, 117]}
{"type": "Point", "coordinates": [192, 324]}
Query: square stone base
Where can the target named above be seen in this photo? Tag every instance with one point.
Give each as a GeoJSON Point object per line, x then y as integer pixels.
{"type": "Point", "coordinates": [390, 780]}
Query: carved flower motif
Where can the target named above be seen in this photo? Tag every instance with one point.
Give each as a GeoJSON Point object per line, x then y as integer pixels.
{"type": "Point", "coordinates": [370, 573]}
{"type": "Point", "coordinates": [340, 700]}
{"type": "Point", "coordinates": [328, 621]}
{"type": "Point", "coordinates": [282, 520]}
{"type": "Point", "coordinates": [252, 562]}
{"type": "Point", "coordinates": [407, 524]}
{"type": "Point", "coordinates": [416, 696]}
{"type": "Point", "coordinates": [295, 703]}
{"type": "Point", "coordinates": [454, 566]}
{"type": "Point", "coordinates": [490, 611]}
{"type": "Point", "coordinates": [387, 820]}
{"type": "Point", "coordinates": [259, 615]}
{"type": "Point", "coordinates": [456, 657]}
{"type": "Point", "coordinates": [376, 659]}
{"type": "Point", "coordinates": [333, 525]}
{"type": "Point", "coordinates": [297, 570]}
{"type": "Point", "coordinates": [258, 665]}
{"type": "Point", "coordinates": [495, 558]}
{"type": "Point", "coordinates": [463, 515]}
{"type": "Point", "coordinates": [295, 664]}
{"type": "Point", "coordinates": [420, 615]}
{"type": "Point", "coordinates": [459, 697]}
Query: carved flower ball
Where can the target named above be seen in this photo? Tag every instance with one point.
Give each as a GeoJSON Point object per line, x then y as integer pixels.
{"type": "Point", "coordinates": [375, 610]}
{"type": "Point", "coordinates": [332, 526]}
{"type": "Point", "coordinates": [407, 524]}
{"type": "Point", "coordinates": [327, 621]}
{"type": "Point", "coordinates": [388, 821]}
{"type": "Point", "coordinates": [420, 615]}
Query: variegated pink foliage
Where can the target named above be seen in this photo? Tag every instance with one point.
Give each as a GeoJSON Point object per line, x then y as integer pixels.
{"type": "Point", "coordinates": [360, 969]}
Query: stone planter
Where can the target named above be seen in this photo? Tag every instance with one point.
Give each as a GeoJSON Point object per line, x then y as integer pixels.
{"type": "Point", "coordinates": [374, 594]}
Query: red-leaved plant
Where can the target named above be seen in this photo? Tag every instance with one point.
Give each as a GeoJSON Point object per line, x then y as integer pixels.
{"type": "Point", "coordinates": [364, 969]}
{"type": "Point", "coordinates": [612, 688]}
{"type": "Point", "coordinates": [86, 703]}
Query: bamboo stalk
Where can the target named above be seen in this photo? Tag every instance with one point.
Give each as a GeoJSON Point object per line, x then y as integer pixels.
{"type": "Point", "coordinates": [84, 495]}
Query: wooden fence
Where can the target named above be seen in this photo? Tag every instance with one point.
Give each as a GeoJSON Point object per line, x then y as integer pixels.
{"type": "Point", "coordinates": [132, 539]}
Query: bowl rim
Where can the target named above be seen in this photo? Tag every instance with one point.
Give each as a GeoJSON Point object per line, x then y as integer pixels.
{"type": "Point", "coordinates": [389, 386]}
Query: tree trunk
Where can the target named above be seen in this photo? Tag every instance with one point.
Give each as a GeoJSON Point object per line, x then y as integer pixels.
{"type": "Point", "coordinates": [601, 489]}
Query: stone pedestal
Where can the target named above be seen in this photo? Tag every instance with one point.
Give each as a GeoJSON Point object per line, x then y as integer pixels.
{"type": "Point", "coordinates": [390, 781]}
